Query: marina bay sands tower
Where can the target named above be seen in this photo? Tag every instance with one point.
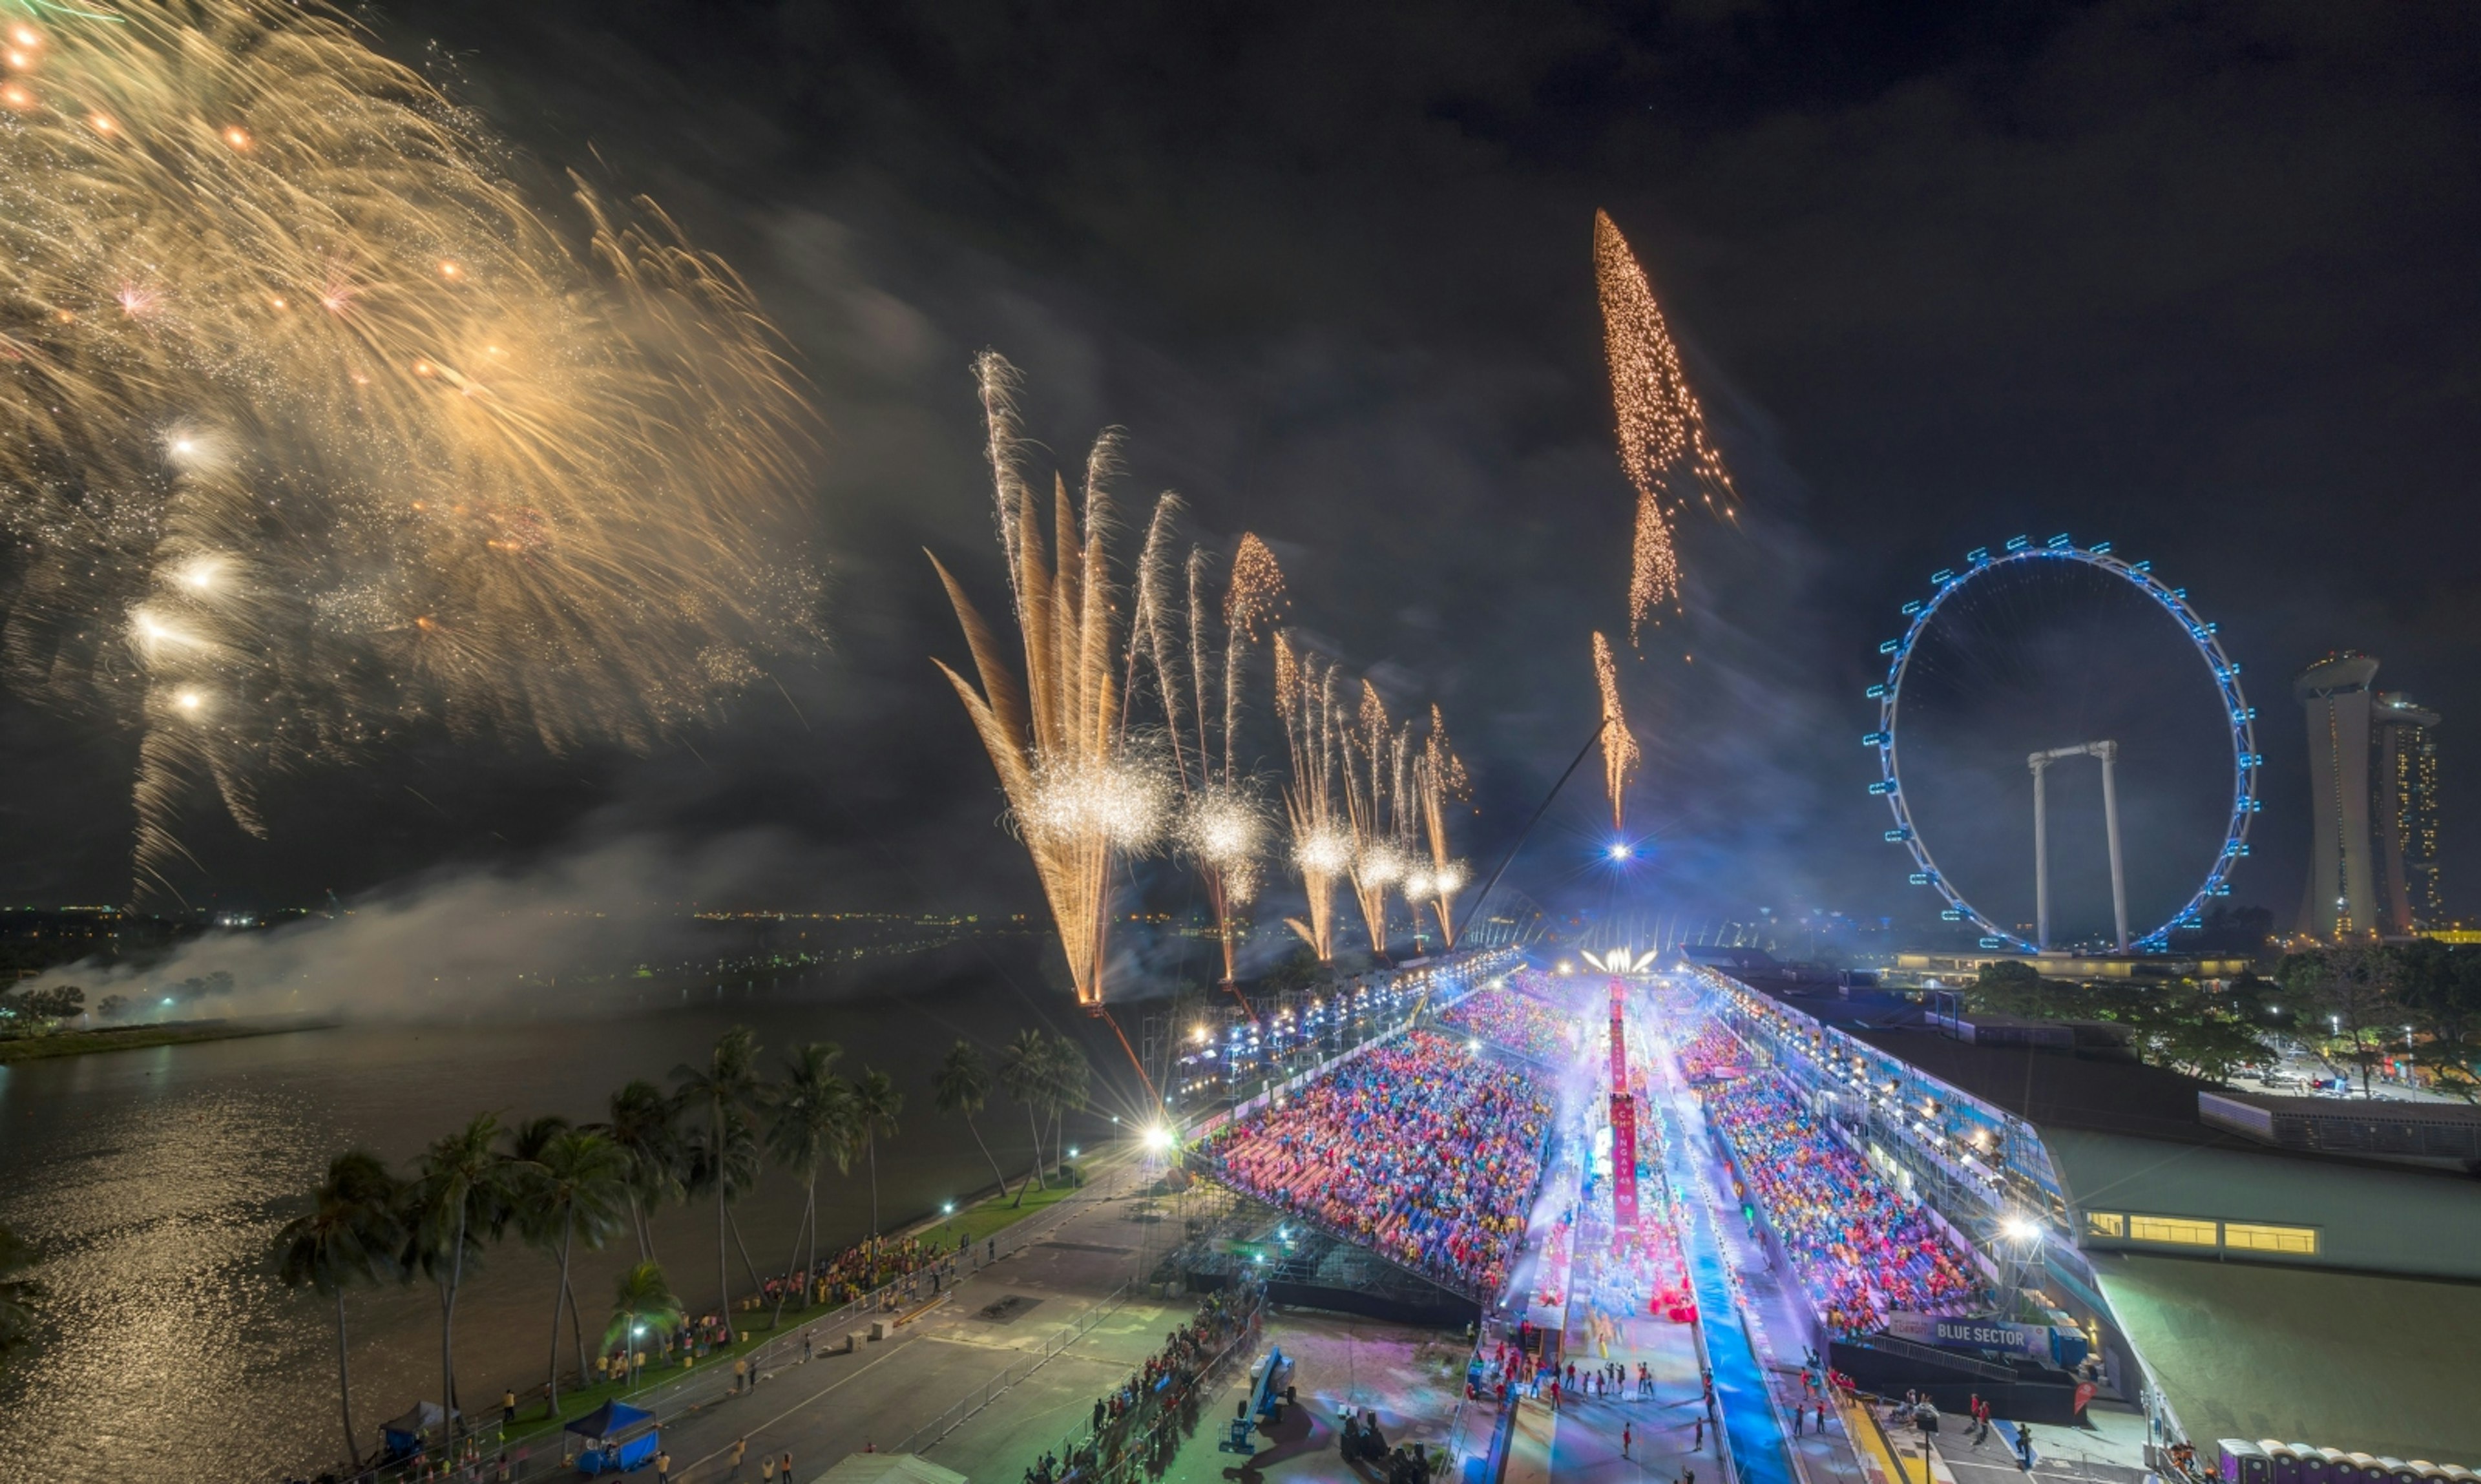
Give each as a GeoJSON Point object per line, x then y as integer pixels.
{"type": "Point", "coordinates": [2373, 803]}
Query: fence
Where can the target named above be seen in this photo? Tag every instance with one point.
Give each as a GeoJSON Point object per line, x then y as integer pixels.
{"type": "Point", "coordinates": [1078, 1448]}
{"type": "Point", "coordinates": [926, 1436]}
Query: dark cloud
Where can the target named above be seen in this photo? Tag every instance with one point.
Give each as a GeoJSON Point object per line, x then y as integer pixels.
{"type": "Point", "coordinates": [2194, 277]}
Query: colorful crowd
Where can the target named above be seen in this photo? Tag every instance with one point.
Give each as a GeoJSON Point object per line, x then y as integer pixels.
{"type": "Point", "coordinates": [1419, 1149]}
{"type": "Point", "coordinates": [1713, 1054]}
{"type": "Point", "coordinates": [1520, 1022]}
{"type": "Point", "coordinates": [1861, 1248]}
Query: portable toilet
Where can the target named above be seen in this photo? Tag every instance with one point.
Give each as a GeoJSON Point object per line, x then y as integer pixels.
{"type": "Point", "coordinates": [2315, 1468]}
{"type": "Point", "coordinates": [2243, 1462]}
{"type": "Point", "coordinates": [2284, 1458]}
{"type": "Point", "coordinates": [2365, 1470]}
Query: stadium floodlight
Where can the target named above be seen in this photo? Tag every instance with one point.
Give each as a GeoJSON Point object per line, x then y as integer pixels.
{"type": "Point", "coordinates": [2022, 1229]}
{"type": "Point", "coordinates": [1621, 849]}
{"type": "Point", "coordinates": [1158, 1137]}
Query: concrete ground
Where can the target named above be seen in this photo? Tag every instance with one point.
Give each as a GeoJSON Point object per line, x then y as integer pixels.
{"type": "Point", "coordinates": [1410, 1377]}
{"type": "Point", "coordinates": [1011, 1315]}
{"type": "Point", "coordinates": [996, 1322]}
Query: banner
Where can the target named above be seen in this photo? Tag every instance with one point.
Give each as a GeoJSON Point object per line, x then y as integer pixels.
{"type": "Point", "coordinates": [2033, 1339]}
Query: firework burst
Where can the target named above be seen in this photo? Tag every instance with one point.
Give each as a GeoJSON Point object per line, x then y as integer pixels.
{"type": "Point", "coordinates": [1080, 788]}
{"type": "Point", "coordinates": [312, 431]}
{"type": "Point", "coordinates": [1197, 652]}
{"type": "Point", "coordinates": [1662, 438]}
{"type": "Point", "coordinates": [1314, 799]}
{"type": "Point", "coordinates": [1620, 753]}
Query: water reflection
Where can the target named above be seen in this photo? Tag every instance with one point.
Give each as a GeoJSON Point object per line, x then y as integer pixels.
{"type": "Point", "coordinates": [155, 1181]}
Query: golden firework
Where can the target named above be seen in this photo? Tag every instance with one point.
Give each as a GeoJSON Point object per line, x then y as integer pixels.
{"type": "Point", "coordinates": [1620, 753]}
{"type": "Point", "coordinates": [1662, 438]}
{"type": "Point", "coordinates": [1200, 677]}
{"type": "Point", "coordinates": [1440, 780]}
{"type": "Point", "coordinates": [313, 430]}
{"type": "Point", "coordinates": [1079, 789]}
{"type": "Point", "coordinates": [1314, 799]}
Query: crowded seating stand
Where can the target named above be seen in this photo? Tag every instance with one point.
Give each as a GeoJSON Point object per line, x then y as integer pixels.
{"type": "Point", "coordinates": [1420, 1150]}
{"type": "Point", "coordinates": [1861, 1248]}
{"type": "Point", "coordinates": [1515, 1022]}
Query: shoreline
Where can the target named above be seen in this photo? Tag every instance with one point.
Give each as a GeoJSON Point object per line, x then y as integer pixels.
{"type": "Point", "coordinates": [80, 1043]}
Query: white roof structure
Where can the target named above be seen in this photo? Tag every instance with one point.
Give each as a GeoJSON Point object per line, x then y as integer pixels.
{"type": "Point", "coordinates": [888, 1469]}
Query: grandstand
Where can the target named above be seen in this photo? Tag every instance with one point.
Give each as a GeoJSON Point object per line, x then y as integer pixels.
{"type": "Point", "coordinates": [1517, 1023]}
{"type": "Point", "coordinates": [1421, 1149]}
{"type": "Point", "coordinates": [2236, 1286]}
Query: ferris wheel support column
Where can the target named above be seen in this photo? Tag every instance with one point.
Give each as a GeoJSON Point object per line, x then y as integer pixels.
{"type": "Point", "coordinates": [2040, 763]}
{"type": "Point", "coordinates": [2108, 752]}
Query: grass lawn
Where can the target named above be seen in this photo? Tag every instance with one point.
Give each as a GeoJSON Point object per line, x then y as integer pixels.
{"type": "Point", "coordinates": [976, 1223]}
{"type": "Point", "coordinates": [77, 1043]}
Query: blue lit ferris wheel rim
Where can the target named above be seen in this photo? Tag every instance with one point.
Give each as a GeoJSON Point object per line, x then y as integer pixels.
{"type": "Point", "coordinates": [2239, 716]}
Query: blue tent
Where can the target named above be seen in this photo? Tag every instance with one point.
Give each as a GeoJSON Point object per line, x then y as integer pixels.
{"type": "Point", "coordinates": [609, 1420]}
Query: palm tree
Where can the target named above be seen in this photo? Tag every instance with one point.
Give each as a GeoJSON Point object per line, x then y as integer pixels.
{"type": "Point", "coordinates": [352, 1236]}
{"type": "Point", "coordinates": [642, 1300]}
{"type": "Point", "coordinates": [964, 1088]}
{"type": "Point", "coordinates": [725, 1159]}
{"type": "Point", "coordinates": [813, 1121]}
{"type": "Point", "coordinates": [572, 1190]}
{"type": "Point", "coordinates": [17, 1292]}
{"type": "Point", "coordinates": [1022, 1074]}
{"type": "Point", "coordinates": [528, 1139]}
{"type": "Point", "coordinates": [459, 1196]}
{"type": "Point", "coordinates": [1070, 1079]}
{"type": "Point", "coordinates": [875, 1104]}
{"type": "Point", "coordinates": [645, 1123]}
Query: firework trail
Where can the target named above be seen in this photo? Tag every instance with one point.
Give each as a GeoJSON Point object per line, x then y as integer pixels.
{"type": "Point", "coordinates": [1662, 438]}
{"type": "Point", "coordinates": [1380, 810]}
{"type": "Point", "coordinates": [1080, 788]}
{"type": "Point", "coordinates": [1314, 799]}
{"type": "Point", "coordinates": [1441, 780]}
{"type": "Point", "coordinates": [313, 432]}
{"type": "Point", "coordinates": [1222, 823]}
{"type": "Point", "coordinates": [1620, 755]}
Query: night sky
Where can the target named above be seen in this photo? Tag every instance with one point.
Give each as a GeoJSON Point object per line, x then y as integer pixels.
{"type": "Point", "coordinates": [2195, 278]}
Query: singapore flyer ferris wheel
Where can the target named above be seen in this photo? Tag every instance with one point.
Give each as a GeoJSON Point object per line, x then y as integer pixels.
{"type": "Point", "coordinates": [1988, 578]}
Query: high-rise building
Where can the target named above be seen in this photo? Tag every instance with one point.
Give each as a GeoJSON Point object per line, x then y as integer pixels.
{"type": "Point", "coordinates": [2341, 898]}
{"type": "Point", "coordinates": [2372, 803]}
{"type": "Point", "coordinates": [2406, 816]}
